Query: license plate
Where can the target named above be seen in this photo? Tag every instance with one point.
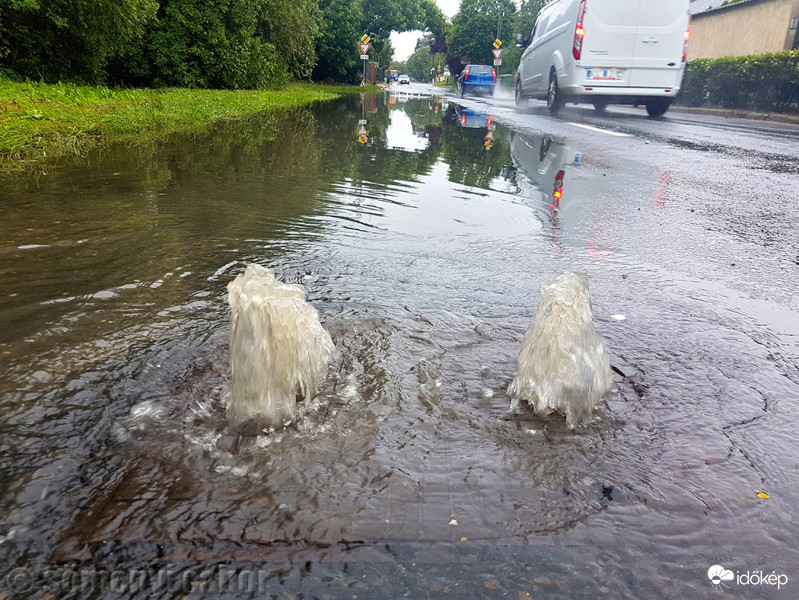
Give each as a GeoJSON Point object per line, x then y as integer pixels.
{"type": "Point", "coordinates": [604, 74]}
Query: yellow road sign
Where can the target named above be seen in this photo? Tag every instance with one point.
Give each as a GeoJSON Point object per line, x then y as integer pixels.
{"type": "Point", "coordinates": [488, 145]}
{"type": "Point", "coordinates": [363, 139]}
{"type": "Point", "coordinates": [497, 43]}
{"type": "Point", "coordinates": [366, 39]}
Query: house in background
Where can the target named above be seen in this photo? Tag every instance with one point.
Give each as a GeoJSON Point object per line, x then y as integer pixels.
{"type": "Point", "coordinates": [741, 28]}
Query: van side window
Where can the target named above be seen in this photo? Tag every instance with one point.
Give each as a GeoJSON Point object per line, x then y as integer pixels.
{"type": "Point", "coordinates": [539, 28]}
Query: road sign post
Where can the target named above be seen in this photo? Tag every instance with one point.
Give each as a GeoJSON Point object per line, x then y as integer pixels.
{"type": "Point", "coordinates": [364, 45]}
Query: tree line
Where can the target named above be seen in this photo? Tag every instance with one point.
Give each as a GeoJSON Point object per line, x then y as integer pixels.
{"type": "Point", "coordinates": [469, 38]}
{"type": "Point", "coordinates": [232, 44]}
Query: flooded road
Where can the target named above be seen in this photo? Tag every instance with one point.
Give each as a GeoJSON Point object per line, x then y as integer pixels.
{"type": "Point", "coordinates": [423, 244]}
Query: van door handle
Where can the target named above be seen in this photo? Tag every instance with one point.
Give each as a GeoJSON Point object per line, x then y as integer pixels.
{"type": "Point", "coordinates": [651, 40]}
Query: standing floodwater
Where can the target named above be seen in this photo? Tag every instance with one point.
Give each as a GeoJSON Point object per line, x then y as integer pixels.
{"type": "Point", "coordinates": [406, 476]}
{"type": "Point", "coordinates": [278, 350]}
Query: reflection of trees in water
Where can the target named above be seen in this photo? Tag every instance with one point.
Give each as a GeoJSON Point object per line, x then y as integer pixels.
{"type": "Point", "coordinates": [465, 153]}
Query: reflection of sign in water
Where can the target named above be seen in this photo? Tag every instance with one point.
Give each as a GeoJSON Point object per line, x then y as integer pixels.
{"type": "Point", "coordinates": [488, 144]}
{"type": "Point", "coordinates": [489, 136]}
{"type": "Point", "coordinates": [363, 139]}
{"type": "Point", "coordinates": [362, 131]}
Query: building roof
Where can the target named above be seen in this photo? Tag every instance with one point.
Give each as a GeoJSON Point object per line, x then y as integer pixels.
{"type": "Point", "coordinates": [703, 6]}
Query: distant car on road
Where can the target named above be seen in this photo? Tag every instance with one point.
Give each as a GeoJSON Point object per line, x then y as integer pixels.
{"type": "Point", "coordinates": [477, 79]}
{"type": "Point", "coordinates": [404, 79]}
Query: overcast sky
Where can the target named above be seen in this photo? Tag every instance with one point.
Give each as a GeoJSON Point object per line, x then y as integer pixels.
{"type": "Point", "coordinates": [405, 43]}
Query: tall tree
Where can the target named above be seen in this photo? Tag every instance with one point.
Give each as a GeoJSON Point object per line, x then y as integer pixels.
{"type": "Point", "coordinates": [224, 44]}
{"type": "Point", "coordinates": [474, 29]}
{"type": "Point", "coordinates": [68, 39]}
{"type": "Point", "coordinates": [336, 46]}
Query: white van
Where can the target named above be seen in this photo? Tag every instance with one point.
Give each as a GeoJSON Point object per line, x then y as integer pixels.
{"type": "Point", "coordinates": [605, 52]}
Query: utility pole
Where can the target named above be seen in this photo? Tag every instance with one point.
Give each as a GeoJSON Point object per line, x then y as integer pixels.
{"type": "Point", "coordinates": [499, 19]}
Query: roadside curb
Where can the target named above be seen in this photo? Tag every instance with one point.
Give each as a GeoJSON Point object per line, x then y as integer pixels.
{"type": "Point", "coordinates": [738, 114]}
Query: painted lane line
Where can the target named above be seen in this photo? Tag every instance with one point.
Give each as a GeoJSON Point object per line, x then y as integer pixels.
{"type": "Point", "coordinates": [597, 129]}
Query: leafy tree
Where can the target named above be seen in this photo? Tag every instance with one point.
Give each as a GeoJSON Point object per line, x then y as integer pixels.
{"type": "Point", "coordinates": [344, 21]}
{"type": "Point", "coordinates": [421, 61]}
{"type": "Point", "coordinates": [68, 39]}
{"type": "Point", "coordinates": [223, 44]}
{"type": "Point", "coordinates": [523, 22]}
{"type": "Point", "coordinates": [292, 27]}
{"type": "Point", "coordinates": [474, 29]}
{"type": "Point", "coordinates": [336, 48]}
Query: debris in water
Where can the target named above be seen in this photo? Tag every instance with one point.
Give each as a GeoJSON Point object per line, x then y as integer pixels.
{"type": "Point", "coordinates": [562, 362]}
{"type": "Point", "coordinates": [453, 522]}
{"type": "Point", "coordinates": [464, 539]}
{"type": "Point", "coordinates": [278, 350]}
{"type": "Point", "coordinates": [760, 494]}
{"type": "Point", "coordinates": [618, 317]}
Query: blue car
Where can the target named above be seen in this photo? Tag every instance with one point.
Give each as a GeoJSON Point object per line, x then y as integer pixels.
{"type": "Point", "coordinates": [477, 79]}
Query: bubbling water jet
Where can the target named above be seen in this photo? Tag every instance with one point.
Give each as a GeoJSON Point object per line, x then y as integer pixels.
{"type": "Point", "coordinates": [562, 363]}
{"type": "Point", "coordinates": [278, 350]}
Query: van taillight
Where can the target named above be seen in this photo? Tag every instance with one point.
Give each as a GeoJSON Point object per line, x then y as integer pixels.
{"type": "Point", "coordinates": [686, 36]}
{"type": "Point", "coordinates": [579, 33]}
{"type": "Point", "coordinates": [466, 74]}
{"type": "Point", "coordinates": [494, 73]}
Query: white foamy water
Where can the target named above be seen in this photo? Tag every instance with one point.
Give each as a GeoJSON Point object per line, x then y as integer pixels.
{"type": "Point", "coordinates": [562, 363]}
{"type": "Point", "coordinates": [278, 350]}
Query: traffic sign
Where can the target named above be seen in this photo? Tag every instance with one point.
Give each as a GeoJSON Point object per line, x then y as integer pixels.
{"type": "Point", "coordinates": [362, 139]}
{"type": "Point", "coordinates": [497, 62]}
{"type": "Point", "coordinates": [366, 39]}
{"type": "Point", "coordinates": [361, 121]}
{"type": "Point", "coordinates": [365, 48]}
{"type": "Point", "coordinates": [497, 43]}
{"type": "Point", "coordinates": [362, 130]}
{"type": "Point", "coordinates": [488, 145]}
{"type": "Point", "coordinates": [497, 53]}
{"type": "Point", "coordinates": [364, 57]}
{"type": "Point", "coordinates": [489, 136]}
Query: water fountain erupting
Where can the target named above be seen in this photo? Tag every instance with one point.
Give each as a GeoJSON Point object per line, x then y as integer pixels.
{"type": "Point", "coordinates": [562, 363]}
{"type": "Point", "coordinates": [278, 350]}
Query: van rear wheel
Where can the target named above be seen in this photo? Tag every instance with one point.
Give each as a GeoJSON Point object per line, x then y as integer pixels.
{"type": "Point", "coordinates": [554, 97]}
{"type": "Point", "coordinates": [521, 98]}
{"type": "Point", "coordinates": [657, 107]}
{"type": "Point", "coordinates": [600, 107]}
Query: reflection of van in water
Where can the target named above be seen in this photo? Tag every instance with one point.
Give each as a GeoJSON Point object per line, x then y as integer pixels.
{"type": "Point", "coordinates": [549, 171]}
{"type": "Point", "coordinates": [605, 52]}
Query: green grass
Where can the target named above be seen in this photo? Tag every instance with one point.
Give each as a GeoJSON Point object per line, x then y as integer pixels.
{"type": "Point", "coordinates": [40, 121]}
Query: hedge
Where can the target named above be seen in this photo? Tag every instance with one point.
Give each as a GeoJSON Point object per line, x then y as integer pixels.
{"type": "Point", "coordinates": [759, 81]}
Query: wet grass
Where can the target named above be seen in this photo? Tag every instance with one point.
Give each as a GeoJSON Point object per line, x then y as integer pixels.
{"type": "Point", "coordinates": [40, 121]}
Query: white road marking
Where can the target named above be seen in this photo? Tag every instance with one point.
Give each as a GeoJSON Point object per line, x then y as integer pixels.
{"type": "Point", "coordinates": [616, 133]}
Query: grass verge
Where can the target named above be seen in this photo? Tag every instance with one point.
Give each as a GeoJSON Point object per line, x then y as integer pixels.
{"type": "Point", "coordinates": [39, 121]}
